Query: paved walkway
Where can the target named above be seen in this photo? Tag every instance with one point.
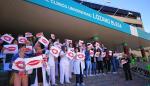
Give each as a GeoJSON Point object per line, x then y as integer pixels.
{"type": "Point", "coordinates": [103, 80]}
{"type": "Point", "coordinates": [112, 80]}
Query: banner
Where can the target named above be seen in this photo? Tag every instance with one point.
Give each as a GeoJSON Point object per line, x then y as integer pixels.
{"type": "Point", "coordinates": [80, 56]}
{"type": "Point", "coordinates": [7, 38]}
{"type": "Point", "coordinates": [18, 64]}
{"type": "Point", "coordinates": [44, 41]}
{"type": "Point", "coordinates": [33, 62]}
{"type": "Point", "coordinates": [28, 34]}
{"type": "Point", "coordinates": [70, 54]}
{"type": "Point", "coordinates": [22, 40]}
{"type": "Point", "coordinates": [55, 51]}
{"type": "Point", "coordinates": [10, 49]}
{"type": "Point", "coordinates": [38, 35]}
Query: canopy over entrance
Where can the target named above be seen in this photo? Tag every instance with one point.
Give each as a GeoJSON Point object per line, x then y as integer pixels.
{"type": "Point", "coordinates": [19, 16]}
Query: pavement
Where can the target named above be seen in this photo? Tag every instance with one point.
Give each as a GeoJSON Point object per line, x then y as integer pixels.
{"type": "Point", "coordinates": [112, 80]}
{"type": "Point", "coordinates": [99, 80]}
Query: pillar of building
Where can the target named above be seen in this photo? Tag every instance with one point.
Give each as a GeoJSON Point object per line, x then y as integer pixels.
{"type": "Point", "coordinates": [142, 51]}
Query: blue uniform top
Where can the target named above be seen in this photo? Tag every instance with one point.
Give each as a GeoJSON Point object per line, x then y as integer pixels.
{"type": "Point", "coordinates": [87, 56]}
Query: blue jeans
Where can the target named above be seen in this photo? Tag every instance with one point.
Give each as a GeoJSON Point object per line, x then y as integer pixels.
{"type": "Point", "coordinates": [94, 68]}
{"type": "Point", "coordinates": [114, 65]}
{"type": "Point", "coordinates": [88, 68]}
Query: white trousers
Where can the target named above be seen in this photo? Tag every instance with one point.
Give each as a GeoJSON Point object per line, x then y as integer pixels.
{"type": "Point", "coordinates": [52, 75]}
{"type": "Point", "coordinates": [64, 72]}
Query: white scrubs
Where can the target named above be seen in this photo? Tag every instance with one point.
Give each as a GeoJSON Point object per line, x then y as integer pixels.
{"type": "Point", "coordinates": [51, 63]}
{"type": "Point", "coordinates": [64, 68]}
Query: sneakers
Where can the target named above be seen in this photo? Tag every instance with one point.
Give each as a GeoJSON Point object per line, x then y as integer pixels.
{"type": "Point", "coordinates": [68, 82]}
{"type": "Point", "coordinates": [77, 84]}
{"type": "Point", "coordinates": [82, 84]}
{"type": "Point", "coordinates": [54, 84]}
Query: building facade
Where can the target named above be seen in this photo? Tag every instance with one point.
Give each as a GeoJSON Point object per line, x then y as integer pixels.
{"type": "Point", "coordinates": [129, 17]}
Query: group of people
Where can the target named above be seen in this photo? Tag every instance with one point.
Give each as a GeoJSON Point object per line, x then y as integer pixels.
{"type": "Point", "coordinates": [95, 59]}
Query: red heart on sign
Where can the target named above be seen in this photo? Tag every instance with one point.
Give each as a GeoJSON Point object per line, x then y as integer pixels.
{"type": "Point", "coordinates": [7, 38]}
{"type": "Point", "coordinates": [54, 51]}
{"type": "Point", "coordinates": [34, 62]}
{"type": "Point", "coordinates": [20, 64]}
{"type": "Point", "coordinates": [44, 41]}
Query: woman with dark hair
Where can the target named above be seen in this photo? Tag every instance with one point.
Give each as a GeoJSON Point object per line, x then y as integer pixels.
{"type": "Point", "coordinates": [64, 66]}
{"type": "Point", "coordinates": [79, 67]}
{"type": "Point", "coordinates": [51, 63]}
{"type": "Point", "coordinates": [39, 74]}
{"type": "Point", "coordinates": [20, 77]}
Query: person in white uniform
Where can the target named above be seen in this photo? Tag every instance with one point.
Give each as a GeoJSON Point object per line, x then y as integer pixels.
{"type": "Point", "coordinates": [51, 63]}
{"type": "Point", "coordinates": [79, 66]}
{"type": "Point", "coordinates": [70, 48]}
{"type": "Point", "coordinates": [64, 66]}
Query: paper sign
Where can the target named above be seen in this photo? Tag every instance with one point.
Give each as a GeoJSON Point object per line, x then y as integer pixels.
{"type": "Point", "coordinates": [29, 49]}
{"type": "Point", "coordinates": [39, 34]}
{"type": "Point", "coordinates": [91, 53]}
{"type": "Point", "coordinates": [52, 36]}
{"type": "Point", "coordinates": [10, 49]}
{"type": "Point", "coordinates": [55, 51]}
{"type": "Point", "coordinates": [7, 38]}
{"type": "Point", "coordinates": [22, 40]}
{"type": "Point", "coordinates": [33, 62]}
{"type": "Point", "coordinates": [18, 64]}
{"type": "Point", "coordinates": [70, 54]}
{"type": "Point", "coordinates": [44, 41]}
{"type": "Point", "coordinates": [28, 34]}
{"type": "Point", "coordinates": [80, 56]}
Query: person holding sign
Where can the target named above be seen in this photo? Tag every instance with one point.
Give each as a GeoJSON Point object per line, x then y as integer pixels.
{"type": "Point", "coordinates": [79, 67]}
{"type": "Point", "coordinates": [39, 76]}
{"type": "Point", "coordinates": [64, 66]}
{"type": "Point", "coordinates": [20, 76]}
{"type": "Point", "coordinates": [51, 63]}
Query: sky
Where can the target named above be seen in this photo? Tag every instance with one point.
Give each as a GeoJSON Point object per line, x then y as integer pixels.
{"type": "Point", "coordinates": [141, 6]}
